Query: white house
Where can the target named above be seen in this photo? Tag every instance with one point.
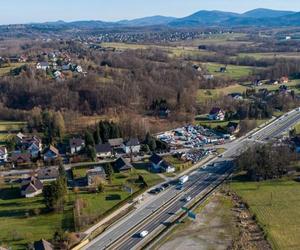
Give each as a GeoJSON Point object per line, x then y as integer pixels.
{"type": "Point", "coordinates": [42, 65]}
{"type": "Point", "coordinates": [132, 146]}
{"type": "Point", "coordinates": [158, 164]}
{"type": "Point", "coordinates": [216, 114]}
{"type": "Point", "coordinates": [76, 145]}
{"type": "Point", "coordinates": [103, 150]}
{"type": "Point", "coordinates": [3, 154]}
{"type": "Point", "coordinates": [78, 68]}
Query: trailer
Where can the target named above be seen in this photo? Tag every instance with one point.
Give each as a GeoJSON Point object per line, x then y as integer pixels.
{"type": "Point", "coordinates": [183, 179]}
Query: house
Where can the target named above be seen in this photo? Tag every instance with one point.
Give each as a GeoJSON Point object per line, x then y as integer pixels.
{"type": "Point", "coordinates": [19, 158]}
{"type": "Point", "coordinates": [78, 69]}
{"type": "Point", "coordinates": [132, 146]}
{"type": "Point", "coordinates": [233, 127]}
{"type": "Point", "coordinates": [236, 96]}
{"type": "Point", "coordinates": [42, 65]}
{"type": "Point", "coordinates": [42, 245]}
{"type": "Point", "coordinates": [103, 150]}
{"type": "Point", "coordinates": [273, 82]}
{"type": "Point", "coordinates": [66, 67]}
{"type": "Point", "coordinates": [258, 83]}
{"type": "Point", "coordinates": [164, 113]}
{"type": "Point", "coordinates": [51, 153]}
{"type": "Point", "coordinates": [208, 77]}
{"type": "Point", "coordinates": [116, 143]}
{"type": "Point", "coordinates": [122, 165]}
{"type": "Point", "coordinates": [284, 79]}
{"type": "Point", "coordinates": [48, 174]}
{"type": "Point", "coordinates": [223, 69]}
{"type": "Point", "coordinates": [296, 142]}
{"type": "Point", "coordinates": [97, 172]}
{"type": "Point", "coordinates": [216, 114]}
{"type": "Point", "coordinates": [76, 145]}
{"type": "Point", "coordinates": [158, 164]}
{"type": "Point", "coordinates": [34, 146]}
{"type": "Point", "coordinates": [31, 187]}
{"type": "Point", "coordinates": [58, 75]}
{"type": "Point", "coordinates": [3, 154]}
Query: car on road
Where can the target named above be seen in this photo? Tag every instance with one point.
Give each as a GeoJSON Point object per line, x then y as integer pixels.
{"type": "Point", "coordinates": [143, 234]}
{"type": "Point", "coordinates": [166, 185]}
{"type": "Point", "coordinates": [179, 187]}
{"type": "Point", "coordinates": [220, 156]}
{"type": "Point", "coordinates": [250, 137]}
{"type": "Point", "coordinates": [188, 198]}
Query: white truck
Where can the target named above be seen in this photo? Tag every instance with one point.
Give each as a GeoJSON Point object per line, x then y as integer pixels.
{"type": "Point", "coordinates": [183, 179]}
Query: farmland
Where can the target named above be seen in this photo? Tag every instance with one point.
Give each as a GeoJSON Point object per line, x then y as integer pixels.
{"type": "Point", "coordinates": [8, 129]}
{"type": "Point", "coordinates": [232, 71]}
{"type": "Point", "coordinates": [275, 205]}
{"type": "Point", "coordinates": [6, 69]}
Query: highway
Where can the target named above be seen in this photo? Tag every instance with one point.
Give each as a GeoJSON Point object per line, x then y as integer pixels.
{"type": "Point", "coordinates": [154, 214]}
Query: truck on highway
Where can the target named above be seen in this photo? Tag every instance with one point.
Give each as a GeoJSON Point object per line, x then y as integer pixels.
{"type": "Point", "coordinates": [183, 179]}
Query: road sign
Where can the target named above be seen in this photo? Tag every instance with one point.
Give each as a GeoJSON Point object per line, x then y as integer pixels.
{"type": "Point", "coordinates": [192, 215]}
{"type": "Point", "coordinates": [185, 209]}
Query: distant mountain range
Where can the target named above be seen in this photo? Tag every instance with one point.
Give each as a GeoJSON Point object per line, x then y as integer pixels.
{"type": "Point", "coordinates": [203, 18]}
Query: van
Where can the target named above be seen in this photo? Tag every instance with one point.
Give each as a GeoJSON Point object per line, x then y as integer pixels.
{"type": "Point", "coordinates": [143, 234]}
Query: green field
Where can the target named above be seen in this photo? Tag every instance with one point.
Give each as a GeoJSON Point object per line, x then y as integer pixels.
{"type": "Point", "coordinates": [6, 126]}
{"type": "Point", "coordinates": [233, 71]}
{"type": "Point", "coordinates": [213, 94]}
{"type": "Point", "coordinates": [6, 70]}
{"type": "Point", "coordinates": [276, 206]}
{"type": "Point", "coordinates": [271, 55]}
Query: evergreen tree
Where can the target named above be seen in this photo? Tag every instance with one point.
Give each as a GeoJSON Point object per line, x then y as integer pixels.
{"type": "Point", "coordinates": [89, 140]}
{"type": "Point", "coordinates": [97, 137]}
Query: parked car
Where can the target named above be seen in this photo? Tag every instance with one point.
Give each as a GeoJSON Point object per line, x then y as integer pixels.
{"type": "Point", "coordinates": [188, 198]}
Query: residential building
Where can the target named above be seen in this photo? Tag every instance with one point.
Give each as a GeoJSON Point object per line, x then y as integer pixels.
{"type": "Point", "coordinates": [47, 174]}
{"type": "Point", "coordinates": [3, 154]}
{"type": "Point", "coordinates": [233, 127]}
{"type": "Point", "coordinates": [103, 150]}
{"type": "Point", "coordinates": [158, 164]}
{"type": "Point", "coordinates": [97, 172]}
{"type": "Point", "coordinates": [116, 143]}
{"type": "Point", "coordinates": [51, 153]}
{"type": "Point", "coordinates": [43, 245]}
{"type": "Point", "coordinates": [76, 145]}
{"type": "Point", "coordinates": [42, 65]}
{"type": "Point", "coordinates": [208, 77]}
{"type": "Point", "coordinates": [122, 165]}
{"type": "Point", "coordinates": [31, 187]}
{"type": "Point", "coordinates": [19, 158]}
{"type": "Point", "coordinates": [216, 114]}
{"type": "Point", "coordinates": [132, 146]}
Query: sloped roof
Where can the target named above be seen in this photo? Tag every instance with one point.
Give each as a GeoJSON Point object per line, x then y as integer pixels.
{"type": "Point", "coordinates": [122, 164]}
{"type": "Point", "coordinates": [155, 159]}
{"type": "Point", "coordinates": [132, 142]}
{"type": "Point", "coordinates": [116, 142]}
{"type": "Point", "coordinates": [42, 245]}
{"type": "Point", "coordinates": [76, 142]}
{"type": "Point", "coordinates": [103, 148]}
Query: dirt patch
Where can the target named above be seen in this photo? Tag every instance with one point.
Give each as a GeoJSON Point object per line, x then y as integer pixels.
{"type": "Point", "coordinates": [223, 223]}
{"type": "Point", "coordinates": [213, 228]}
{"type": "Point", "coordinates": [251, 236]}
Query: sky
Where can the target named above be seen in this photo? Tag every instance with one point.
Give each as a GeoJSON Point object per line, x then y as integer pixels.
{"type": "Point", "coordinates": [26, 11]}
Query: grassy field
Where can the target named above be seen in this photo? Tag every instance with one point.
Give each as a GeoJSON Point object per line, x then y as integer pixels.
{"type": "Point", "coordinates": [21, 222]}
{"type": "Point", "coordinates": [212, 94]}
{"type": "Point", "coordinates": [6, 126]}
{"type": "Point", "coordinates": [276, 206]}
{"type": "Point", "coordinates": [6, 70]}
{"type": "Point", "coordinates": [233, 71]}
{"type": "Point", "coordinates": [178, 164]}
{"type": "Point", "coordinates": [271, 55]}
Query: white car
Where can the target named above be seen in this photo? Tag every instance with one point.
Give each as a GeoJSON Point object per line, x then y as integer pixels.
{"type": "Point", "coordinates": [188, 198]}
{"type": "Point", "coordinates": [143, 234]}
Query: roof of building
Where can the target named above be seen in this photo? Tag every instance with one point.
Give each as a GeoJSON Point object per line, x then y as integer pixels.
{"type": "Point", "coordinates": [48, 173]}
{"type": "Point", "coordinates": [3, 150]}
{"type": "Point", "coordinates": [31, 185]}
{"type": "Point", "coordinates": [155, 159]}
{"type": "Point", "coordinates": [214, 111]}
{"type": "Point", "coordinates": [76, 142]}
{"type": "Point", "coordinates": [103, 148]}
{"type": "Point", "coordinates": [25, 157]}
{"type": "Point", "coordinates": [53, 149]}
{"type": "Point", "coordinates": [132, 142]}
{"type": "Point", "coordinates": [122, 164]}
{"type": "Point", "coordinates": [96, 170]}
{"type": "Point", "coordinates": [116, 142]}
{"type": "Point", "coordinates": [42, 245]}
